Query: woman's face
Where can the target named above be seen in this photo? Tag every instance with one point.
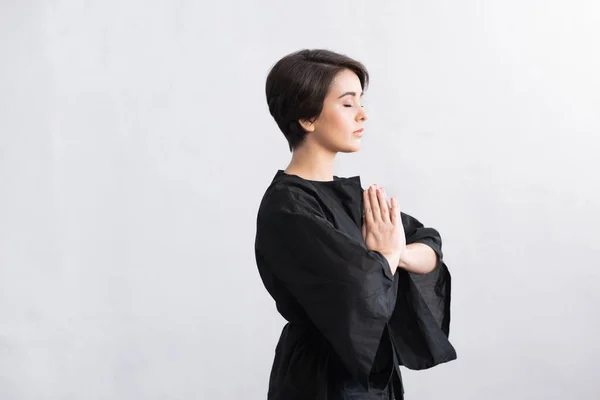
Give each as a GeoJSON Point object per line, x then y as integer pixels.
{"type": "Point", "coordinates": [342, 116]}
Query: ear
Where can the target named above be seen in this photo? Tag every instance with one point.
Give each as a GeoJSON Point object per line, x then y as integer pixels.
{"type": "Point", "coordinates": [307, 125]}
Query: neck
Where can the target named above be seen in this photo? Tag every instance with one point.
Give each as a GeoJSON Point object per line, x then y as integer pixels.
{"type": "Point", "coordinates": [312, 162]}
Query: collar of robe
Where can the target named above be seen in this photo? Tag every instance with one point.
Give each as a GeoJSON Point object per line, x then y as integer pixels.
{"type": "Point", "coordinates": [349, 189]}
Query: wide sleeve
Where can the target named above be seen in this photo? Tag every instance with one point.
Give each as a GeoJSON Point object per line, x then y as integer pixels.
{"type": "Point", "coordinates": [346, 290]}
{"type": "Point", "coordinates": [420, 323]}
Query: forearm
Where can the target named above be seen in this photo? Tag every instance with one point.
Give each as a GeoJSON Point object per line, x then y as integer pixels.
{"type": "Point", "coordinates": [418, 258]}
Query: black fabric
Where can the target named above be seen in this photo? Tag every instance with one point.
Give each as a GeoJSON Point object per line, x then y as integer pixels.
{"type": "Point", "coordinates": [351, 322]}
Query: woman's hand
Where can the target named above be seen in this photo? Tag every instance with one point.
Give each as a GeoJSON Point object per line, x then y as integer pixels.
{"type": "Point", "coordinates": [382, 227]}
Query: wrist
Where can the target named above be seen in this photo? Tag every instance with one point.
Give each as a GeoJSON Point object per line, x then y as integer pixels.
{"type": "Point", "coordinates": [403, 260]}
{"type": "Point", "coordinates": [394, 260]}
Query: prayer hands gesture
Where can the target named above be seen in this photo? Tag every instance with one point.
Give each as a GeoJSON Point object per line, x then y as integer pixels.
{"type": "Point", "coordinates": [382, 227]}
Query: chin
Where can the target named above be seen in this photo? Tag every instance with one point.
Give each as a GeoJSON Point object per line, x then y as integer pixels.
{"type": "Point", "coordinates": [348, 145]}
{"type": "Point", "coordinates": [353, 148]}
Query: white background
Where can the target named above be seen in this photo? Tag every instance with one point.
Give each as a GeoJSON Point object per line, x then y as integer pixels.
{"type": "Point", "coordinates": [136, 143]}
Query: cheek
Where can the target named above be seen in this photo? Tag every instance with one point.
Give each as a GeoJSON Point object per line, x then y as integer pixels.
{"type": "Point", "coordinates": [337, 121]}
{"type": "Point", "coordinates": [342, 119]}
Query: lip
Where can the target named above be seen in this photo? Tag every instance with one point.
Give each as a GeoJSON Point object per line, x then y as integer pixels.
{"type": "Point", "coordinates": [359, 131]}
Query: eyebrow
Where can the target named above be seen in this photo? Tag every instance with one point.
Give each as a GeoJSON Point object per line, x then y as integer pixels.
{"type": "Point", "coordinates": [350, 94]}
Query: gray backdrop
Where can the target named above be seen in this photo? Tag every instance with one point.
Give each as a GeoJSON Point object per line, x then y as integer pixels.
{"type": "Point", "coordinates": [135, 145]}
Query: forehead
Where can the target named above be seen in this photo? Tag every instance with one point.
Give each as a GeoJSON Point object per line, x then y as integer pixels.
{"type": "Point", "coordinates": [345, 81]}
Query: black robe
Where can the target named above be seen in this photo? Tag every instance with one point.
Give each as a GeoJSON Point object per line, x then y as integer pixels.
{"type": "Point", "coordinates": [350, 321]}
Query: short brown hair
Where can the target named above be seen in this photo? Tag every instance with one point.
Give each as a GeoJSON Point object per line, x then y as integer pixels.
{"type": "Point", "coordinates": [298, 84]}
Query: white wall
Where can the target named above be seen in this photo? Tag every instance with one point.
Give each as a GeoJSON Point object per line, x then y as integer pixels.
{"type": "Point", "coordinates": [135, 145]}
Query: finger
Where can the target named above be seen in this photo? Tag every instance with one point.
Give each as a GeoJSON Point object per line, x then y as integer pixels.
{"type": "Point", "coordinates": [363, 230]}
{"type": "Point", "coordinates": [367, 206]}
{"type": "Point", "coordinates": [384, 206]}
{"type": "Point", "coordinates": [374, 203]}
{"type": "Point", "coordinates": [395, 214]}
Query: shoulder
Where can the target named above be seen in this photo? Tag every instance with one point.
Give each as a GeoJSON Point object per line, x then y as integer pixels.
{"type": "Point", "coordinates": [289, 196]}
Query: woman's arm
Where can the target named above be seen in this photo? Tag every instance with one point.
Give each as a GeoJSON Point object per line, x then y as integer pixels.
{"type": "Point", "coordinates": [418, 258]}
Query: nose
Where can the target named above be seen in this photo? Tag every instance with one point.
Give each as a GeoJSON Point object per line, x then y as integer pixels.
{"type": "Point", "coordinates": [362, 115]}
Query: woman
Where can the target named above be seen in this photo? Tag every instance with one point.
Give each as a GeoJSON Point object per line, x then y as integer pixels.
{"type": "Point", "coordinates": [363, 286]}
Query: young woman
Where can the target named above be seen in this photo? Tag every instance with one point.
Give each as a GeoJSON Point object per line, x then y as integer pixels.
{"type": "Point", "coordinates": [362, 285]}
